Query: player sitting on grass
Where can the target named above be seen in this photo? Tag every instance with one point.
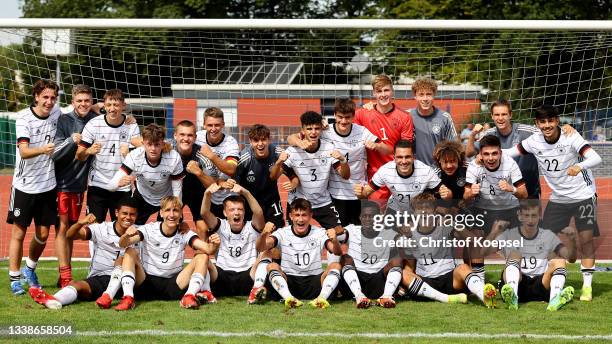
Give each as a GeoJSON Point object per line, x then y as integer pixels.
{"type": "Point", "coordinates": [368, 269]}
{"type": "Point", "coordinates": [530, 274]}
{"type": "Point", "coordinates": [104, 277]}
{"type": "Point", "coordinates": [436, 275]}
{"type": "Point", "coordinates": [301, 245]}
{"type": "Point", "coordinates": [236, 268]}
{"type": "Point", "coordinates": [159, 273]}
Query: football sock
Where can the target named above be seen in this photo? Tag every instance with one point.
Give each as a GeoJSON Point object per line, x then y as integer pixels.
{"type": "Point", "coordinates": [352, 280]}
{"type": "Point", "coordinates": [115, 282]}
{"type": "Point", "coordinates": [30, 263]}
{"type": "Point", "coordinates": [195, 283]}
{"type": "Point", "coordinates": [420, 288]}
{"type": "Point", "coordinates": [261, 273]}
{"type": "Point", "coordinates": [14, 275]}
{"type": "Point", "coordinates": [65, 272]}
{"type": "Point", "coordinates": [513, 274]}
{"type": "Point", "coordinates": [475, 285]}
{"type": "Point", "coordinates": [206, 282]}
{"type": "Point", "coordinates": [479, 270]}
{"type": "Point", "coordinates": [330, 283]}
{"type": "Point", "coordinates": [127, 283]}
{"type": "Point", "coordinates": [279, 283]}
{"type": "Point", "coordinates": [557, 281]}
{"type": "Point", "coordinates": [587, 276]}
{"type": "Point", "coordinates": [66, 295]}
{"type": "Point", "coordinates": [393, 280]}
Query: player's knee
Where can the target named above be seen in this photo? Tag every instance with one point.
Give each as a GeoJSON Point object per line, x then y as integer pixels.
{"type": "Point", "coordinates": [556, 263]}
{"type": "Point", "coordinates": [41, 237]}
{"type": "Point", "coordinates": [345, 259]}
{"type": "Point", "coordinates": [515, 255]}
{"type": "Point", "coordinates": [130, 252]}
{"type": "Point", "coordinates": [463, 269]}
{"type": "Point", "coordinates": [334, 266]}
{"type": "Point", "coordinates": [273, 266]}
{"type": "Point", "coordinates": [200, 258]}
{"type": "Point", "coordinates": [396, 262]}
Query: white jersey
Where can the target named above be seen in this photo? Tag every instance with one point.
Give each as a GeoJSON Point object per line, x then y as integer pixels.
{"type": "Point", "coordinates": [105, 248]}
{"type": "Point", "coordinates": [554, 159]}
{"type": "Point", "coordinates": [163, 255]}
{"type": "Point", "coordinates": [227, 149]}
{"type": "Point", "coordinates": [366, 251]}
{"type": "Point", "coordinates": [313, 170]}
{"type": "Point", "coordinates": [403, 188]}
{"type": "Point", "coordinates": [109, 159]}
{"type": "Point", "coordinates": [35, 175]}
{"type": "Point", "coordinates": [154, 182]}
{"type": "Point", "coordinates": [491, 197]}
{"type": "Point", "coordinates": [433, 260]}
{"type": "Point", "coordinates": [352, 146]}
{"type": "Point", "coordinates": [237, 251]}
{"type": "Point", "coordinates": [301, 255]}
{"type": "Point", "coordinates": [535, 252]}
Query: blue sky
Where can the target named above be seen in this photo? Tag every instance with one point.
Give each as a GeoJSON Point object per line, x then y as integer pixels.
{"type": "Point", "coordinates": [10, 9]}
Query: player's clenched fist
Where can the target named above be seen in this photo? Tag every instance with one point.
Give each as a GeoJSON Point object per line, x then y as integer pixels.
{"type": "Point", "coordinates": [500, 226]}
{"type": "Point", "coordinates": [445, 193]}
{"type": "Point", "coordinates": [214, 239]}
{"type": "Point", "coordinates": [214, 187]}
{"type": "Point", "coordinates": [193, 167]}
{"type": "Point", "coordinates": [505, 186]}
{"type": "Point", "coordinates": [337, 155]}
{"type": "Point", "coordinates": [331, 233]}
{"type": "Point", "coordinates": [48, 148]}
{"type": "Point", "coordinates": [371, 145]}
{"type": "Point", "coordinates": [475, 189]}
{"type": "Point", "coordinates": [268, 228]}
{"type": "Point", "coordinates": [574, 170]}
{"type": "Point", "coordinates": [282, 157]}
{"type": "Point", "coordinates": [131, 231]}
{"type": "Point", "coordinates": [87, 220]}
{"type": "Point", "coordinates": [358, 190]}
{"type": "Point", "coordinates": [94, 149]}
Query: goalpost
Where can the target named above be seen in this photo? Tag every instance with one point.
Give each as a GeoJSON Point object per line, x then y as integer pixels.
{"type": "Point", "coordinates": [270, 71]}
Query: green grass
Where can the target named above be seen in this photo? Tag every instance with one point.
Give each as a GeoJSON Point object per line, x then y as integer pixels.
{"type": "Point", "coordinates": [233, 315]}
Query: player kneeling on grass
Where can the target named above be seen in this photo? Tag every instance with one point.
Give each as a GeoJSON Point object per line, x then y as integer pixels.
{"type": "Point", "coordinates": [301, 244]}
{"type": "Point", "coordinates": [529, 274]}
{"type": "Point", "coordinates": [236, 270]}
{"type": "Point", "coordinates": [104, 277]}
{"type": "Point", "coordinates": [159, 273]}
{"type": "Point", "coordinates": [432, 271]}
{"type": "Point", "coordinates": [368, 269]}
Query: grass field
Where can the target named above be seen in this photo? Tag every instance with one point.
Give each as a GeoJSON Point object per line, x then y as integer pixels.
{"type": "Point", "coordinates": [233, 321]}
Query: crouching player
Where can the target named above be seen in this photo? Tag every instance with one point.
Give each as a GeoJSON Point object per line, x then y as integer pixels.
{"type": "Point", "coordinates": [436, 275]}
{"type": "Point", "coordinates": [236, 271]}
{"type": "Point", "coordinates": [159, 273]}
{"type": "Point", "coordinates": [301, 273]}
{"type": "Point", "coordinates": [104, 277]}
{"type": "Point", "coordinates": [529, 274]}
{"type": "Point", "coordinates": [368, 268]}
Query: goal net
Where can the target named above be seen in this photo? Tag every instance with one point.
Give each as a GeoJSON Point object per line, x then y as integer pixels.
{"type": "Point", "coordinates": [272, 75]}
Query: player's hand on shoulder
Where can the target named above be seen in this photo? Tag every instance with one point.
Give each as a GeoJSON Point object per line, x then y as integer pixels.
{"type": "Point", "coordinates": [369, 106]}
{"type": "Point", "coordinates": [193, 167]}
{"type": "Point", "coordinates": [574, 170]}
{"type": "Point", "coordinates": [215, 239]}
{"type": "Point", "coordinates": [124, 149]}
{"type": "Point", "coordinates": [305, 144]}
{"type": "Point", "coordinates": [167, 147]}
{"type": "Point", "coordinates": [87, 220]}
{"type": "Point", "coordinates": [269, 228]}
{"type": "Point", "coordinates": [76, 137]}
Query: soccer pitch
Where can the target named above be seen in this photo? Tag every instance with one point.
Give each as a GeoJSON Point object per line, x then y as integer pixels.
{"type": "Point", "coordinates": [233, 321]}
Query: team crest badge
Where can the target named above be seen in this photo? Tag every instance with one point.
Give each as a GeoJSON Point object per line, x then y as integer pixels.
{"type": "Point", "coordinates": [17, 212]}
{"type": "Point", "coordinates": [436, 128]}
{"type": "Point", "coordinates": [460, 181]}
{"type": "Point", "coordinates": [323, 161]}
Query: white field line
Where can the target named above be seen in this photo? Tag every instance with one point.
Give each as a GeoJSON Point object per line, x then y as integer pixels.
{"type": "Point", "coordinates": [401, 335]}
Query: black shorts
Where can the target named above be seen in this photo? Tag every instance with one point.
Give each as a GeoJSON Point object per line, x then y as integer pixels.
{"type": "Point", "coordinates": [443, 283]}
{"type": "Point", "coordinates": [349, 210]}
{"type": "Point", "coordinates": [101, 201]}
{"type": "Point", "coordinates": [304, 287]}
{"type": "Point", "coordinates": [232, 283]}
{"type": "Point", "coordinates": [41, 207]}
{"type": "Point", "coordinates": [490, 216]}
{"type": "Point", "coordinates": [530, 289]}
{"type": "Point", "coordinates": [98, 285]}
{"type": "Point", "coordinates": [145, 209]}
{"type": "Point", "coordinates": [558, 215]}
{"type": "Point", "coordinates": [195, 205]}
{"type": "Point", "coordinates": [372, 284]}
{"type": "Point", "coordinates": [159, 288]}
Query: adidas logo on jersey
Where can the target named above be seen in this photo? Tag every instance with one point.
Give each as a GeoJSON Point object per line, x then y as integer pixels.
{"type": "Point", "coordinates": [251, 172]}
{"type": "Point", "coordinates": [302, 164]}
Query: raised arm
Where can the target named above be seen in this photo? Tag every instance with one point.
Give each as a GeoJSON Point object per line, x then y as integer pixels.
{"type": "Point", "coordinates": [265, 240]}
{"type": "Point", "coordinates": [258, 221]}
{"type": "Point", "coordinates": [130, 237]}
{"type": "Point", "coordinates": [209, 218]}
{"type": "Point", "coordinates": [80, 230]}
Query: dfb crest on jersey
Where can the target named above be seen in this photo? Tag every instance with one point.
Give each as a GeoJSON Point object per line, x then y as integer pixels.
{"type": "Point", "coordinates": [461, 181]}
{"type": "Point", "coordinates": [416, 185]}
{"type": "Point", "coordinates": [436, 127]}
{"type": "Point", "coordinates": [176, 242]}
{"type": "Point", "coordinates": [323, 160]}
{"type": "Point", "coordinates": [312, 243]}
{"type": "Point", "coordinates": [251, 177]}
{"type": "Point", "coordinates": [165, 174]}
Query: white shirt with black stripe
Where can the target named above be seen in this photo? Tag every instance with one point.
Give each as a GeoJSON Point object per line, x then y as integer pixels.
{"type": "Point", "coordinates": [106, 163]}
{"type": "Point", "coordinates": [106, 248]}
{"type": "Point", "coordinates": [352, 146]}
{"type": "Point", "coordinates": [366, 252]}
{"type": "Point", "coordinates": [35, 175]}
{"type": "Point", "coordinates": [534, 251]}
{"type": "Point", "coordinates": [433, 260]}
{"type": "Point", "coordinates": [314, 171]}
{"type": "Point", "coordinates": [491, 197]}
{"type": "Point", "coordinates": [153, 182]}
{"type": "Point", "coordinates": [301, 254]}
{"type": "Point", "coordinates": [404, 188]}
{"type": "Point", "coordinates": [554, 159]}
{"type": "Point", "coordinates": [162, 255]}
{"type": "Point", "coordinates": [237, 251]}
{"type": "Point", "coordinates": [227, 149]}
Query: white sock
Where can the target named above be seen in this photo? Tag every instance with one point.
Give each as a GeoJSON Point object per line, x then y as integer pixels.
{"type": "Point", "coordinates": [127, 283]}
{"type": "Point", "coordinates": [557, 281]}
{"type": "Point", "coordinates": [195, 283]}
{"type": "Point", "coordinates": [206, 282]}
{"type": "Point", "coordinates": [587, 276]}
{"type": "Point", "coordinates": [513, 275]}
{"type": "Point", "coordinates": [280, 284]}
{"type": "Point", "coordinates": [352, 280]}
{"type": "Point", "coordinates": [261, 272]}
{"type": "Point", "coordinates": [115, 282]}
{"type": "Point", "coordinates": [475, 285]}
{"type": "Point", "coordinates": [393, 280]}
{"type": "Point", "coordinates": [420, 288]}
{"type": "Point", "coordinates": [479, 270]}
{"type": "Point", "coordinates": [330, 283]}
{"type": "Point", "coordinates": [30, 263]}
{"type": "Point", "coordinates": [14, 275]}
{"type": "Point", "coordinates": [66, 295]}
